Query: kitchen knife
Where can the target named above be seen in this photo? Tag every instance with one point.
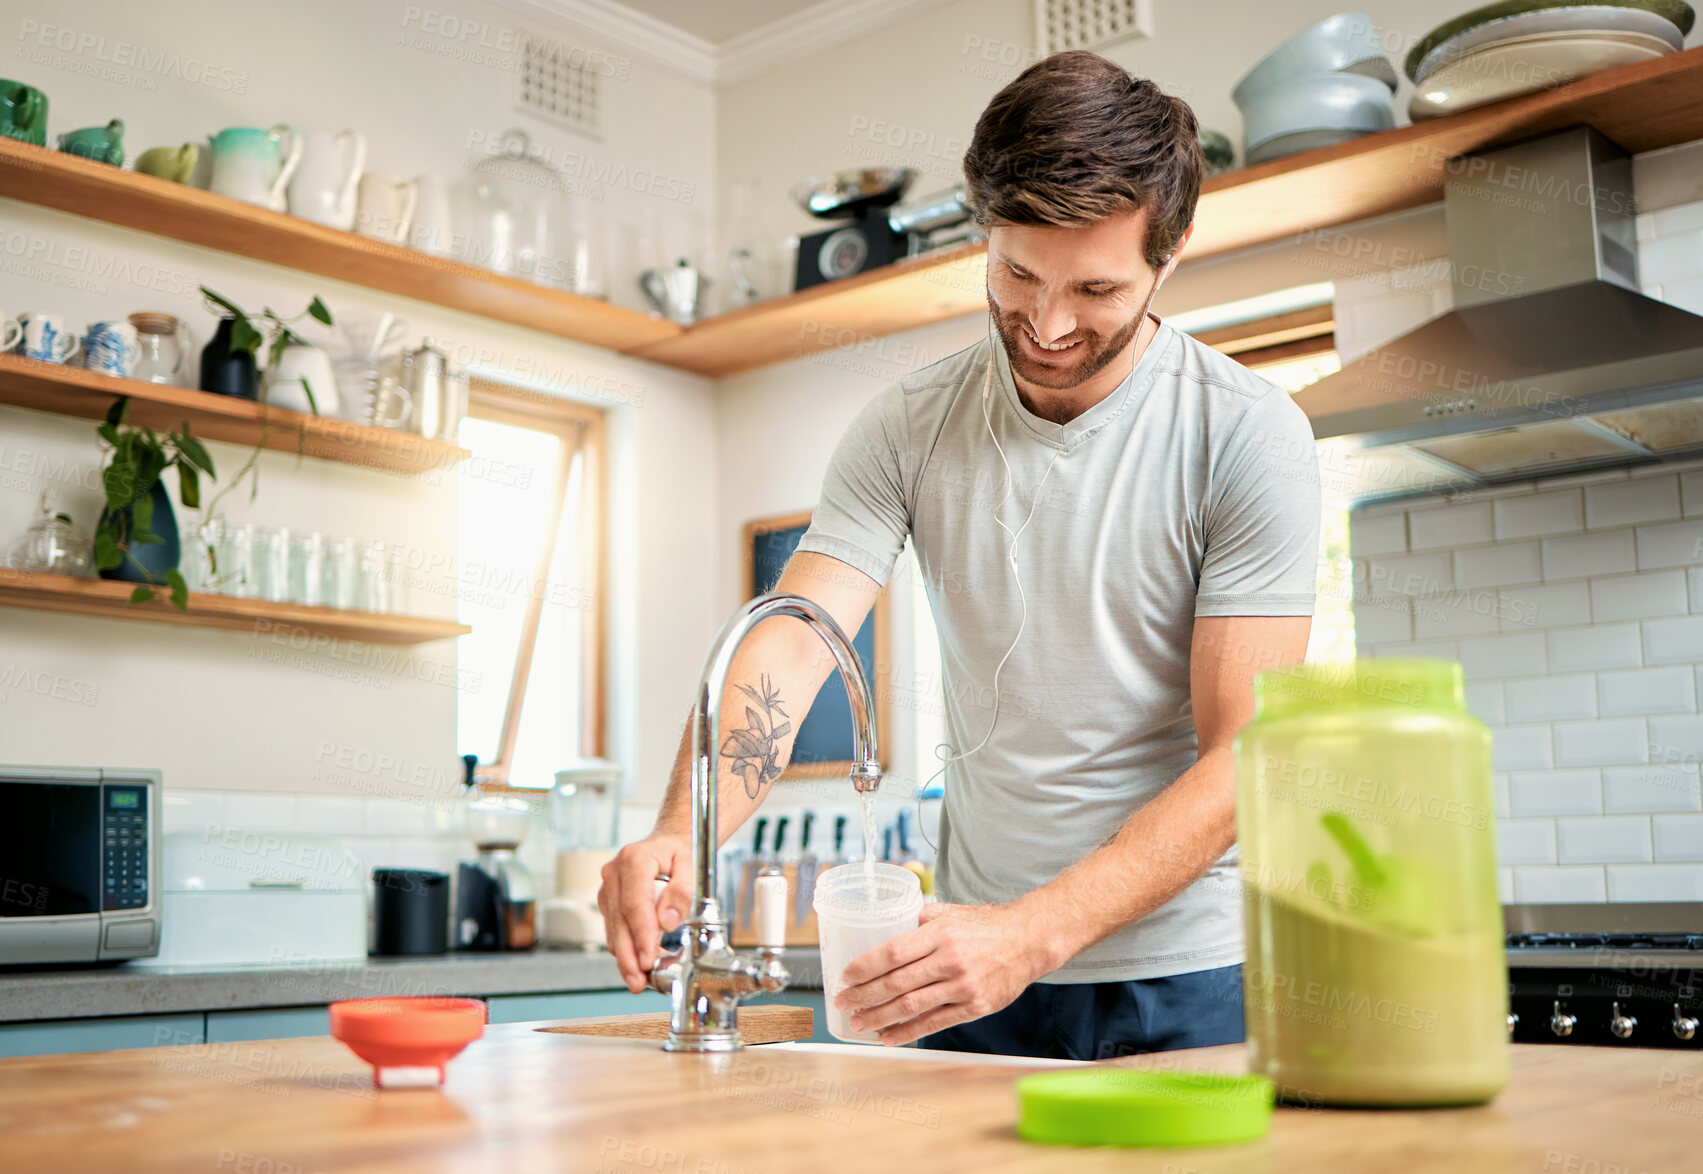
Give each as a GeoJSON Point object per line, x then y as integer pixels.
{"type": "Point", "coordinates": [748, 875]}
{"type": "Point", "coordinates": [807, 867]}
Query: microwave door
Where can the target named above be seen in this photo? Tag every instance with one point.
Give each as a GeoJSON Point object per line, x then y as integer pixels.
{"type": "Point", "coordinates": [50, 849]}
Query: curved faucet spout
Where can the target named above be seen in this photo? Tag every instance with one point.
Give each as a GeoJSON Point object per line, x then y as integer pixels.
{"type": "Point", "coordinates": [706, 720]}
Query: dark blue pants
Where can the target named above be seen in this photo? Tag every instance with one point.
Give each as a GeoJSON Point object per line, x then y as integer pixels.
{"type": "Point", "coordinates": [1100, 1020]}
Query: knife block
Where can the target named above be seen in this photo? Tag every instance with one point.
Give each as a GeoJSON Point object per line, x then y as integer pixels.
{"type": "Point", "coordinates": [743, 931]}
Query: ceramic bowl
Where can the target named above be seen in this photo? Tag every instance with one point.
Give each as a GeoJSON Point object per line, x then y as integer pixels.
{"type": "Point", "coordinates": [1583, 18]}
{"type": "Point", "coordinates": [1537, 16]}
{"type": "Point", "coordinates": [1344, 43]}
{"type": "Point", "coordinates": [1345, 103]}
{"type": "Point", "coordinates": [402, 1033]}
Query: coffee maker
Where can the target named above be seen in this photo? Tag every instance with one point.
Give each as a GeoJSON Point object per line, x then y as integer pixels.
{"type": "Point", "coordinates": [496, 905]}
{"type": "Point", "coordinates": [585, 809]}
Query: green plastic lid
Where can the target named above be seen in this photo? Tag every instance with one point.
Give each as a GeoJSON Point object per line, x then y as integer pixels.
{"type": "Point", "coordinates": [1131, 1106]}
{"type": "Point", "coordinates": [1369, 683]}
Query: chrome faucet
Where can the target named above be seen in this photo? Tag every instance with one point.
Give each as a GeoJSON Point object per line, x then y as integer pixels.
{"type": "Point", "coordinates": [706, 979]}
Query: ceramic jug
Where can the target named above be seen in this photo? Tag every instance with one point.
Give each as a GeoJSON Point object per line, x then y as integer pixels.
{"type": "Point", "coordinates": [252, 165]}
{"type": "Point", "coordinates": [23, 112]}
{"type": "Point", "coordinates": [323, 189]}
{"type": "Point", "coordinates": [434, 222]}
{"type": "Point", "coordinates": [176, 164]}
{"type": "Point", "coordinates": [674, 292]}
{"type": "Point", "coordinates": [384, 206]}
{"type": "Point", "coordinates": [301, 370]}
{"type": "Point", "coordinates": [102, 144]}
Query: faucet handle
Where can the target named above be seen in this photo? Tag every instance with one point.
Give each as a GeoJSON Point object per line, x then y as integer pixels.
{"type": "Point", "coordinates": [771, 909]}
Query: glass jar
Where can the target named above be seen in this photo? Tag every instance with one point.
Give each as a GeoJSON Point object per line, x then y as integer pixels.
{"type": "Point", "coordinates": [1375, 971]}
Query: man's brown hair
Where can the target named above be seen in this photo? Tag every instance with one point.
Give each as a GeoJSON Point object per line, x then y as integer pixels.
{"type": "Point", "coordinates": [1075, 138]}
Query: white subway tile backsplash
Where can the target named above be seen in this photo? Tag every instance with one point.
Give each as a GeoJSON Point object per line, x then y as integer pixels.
{"type": "Point", "coordinates": [252, 811]}
{"type": "Point", "coordinates": [191, 811]}
{"type": "Point", "coordinates": [1638, 597]}
{"type": "Point", "coordinates": [1525, 841]}
{"type": "Point", "coordinates": [1548, 699]}
{"type": "Point", "coordinates": [1500, 806]}
{"type": "Point", "coordinates": [1370, 534]}
{"type": "Point", "coordinates": [1694, 588]}
{"type": "Point", "coordinates": [1537, 885]}
{"type": "Point", "coordinates": [1465, 613]}
{"type": "Point", "coordinates": [1549, 606]}
{"type": "Point", "coordinates": [1676, 739]}
{"type": "Point", "coordinates": [1601, 743]}
{"type": "Point", "coordinates": [1533, 793]}
{"type": "Point", "coordinates": [1579, 556]}
{"type": "Point", "coordinates": [1672, 255]}
{"type": "Point", "coordinates": [1617, 839]}
{"type": "Point", "coordinates": [1687, 295]}
{"type": "Point", "coordinates": [1646, 499]}
{"type": "Point", "coordinates": [1650, 788]}
{"type": "Point", "coordinates": [396, 817]}
{"type": "Point", "coordinates": [1691, 493]}
{"type": "Point", "coordinates": [1647, 691]}
{"type": "Point", "coordinates": [1539, 515]}
{"type": "Point", "coordinates": [1429, 649]}
{"type": "Point", "coordinates": [1673, 641]}
{"type": "Point", "coordinates": [1382, 621]}
{"type": "Point", "coordinates": [1611, 646]}
{"type": "Point", "coordinates": [1505, 885]}
{"type": "Point", "coordinates": [1669, 544]}
{"type": "Point", "coordinates": [1499, 565]}
{"type": "Point", "coordinates": [1678, 837]}
{"type": "Point", "coordinates": [1656, 882]}
{"type": "Point", "coordinates": [1680, 218]}
{"type": "Point", "coordinates": [332, 815]}
{"type": "Point", "coordinates": [1521, 748]}
{"type": "Point", "coordinates": [1515, 655]}
{"type": "Point", "coordinates": [1484, 701]}
{"type": "Point", "coordinates": [1449, 525]}
{"type": "Point", "coordinates": [1410, 575]}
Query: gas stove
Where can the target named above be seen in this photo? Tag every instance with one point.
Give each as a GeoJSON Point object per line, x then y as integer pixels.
{"type": "Point", "coordinates": [1606, 975]}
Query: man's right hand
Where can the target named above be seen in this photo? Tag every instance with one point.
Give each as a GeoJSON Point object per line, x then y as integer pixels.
{"type": "Point", "coordinates": [634, 917]}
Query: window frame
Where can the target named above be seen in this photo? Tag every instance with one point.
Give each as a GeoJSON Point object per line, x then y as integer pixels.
{"type": "Point", "coordinates": [583, 432]}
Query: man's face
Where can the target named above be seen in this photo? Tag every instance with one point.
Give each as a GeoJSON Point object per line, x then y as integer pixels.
{"type": "Point", "coordinates": [1085, 288]}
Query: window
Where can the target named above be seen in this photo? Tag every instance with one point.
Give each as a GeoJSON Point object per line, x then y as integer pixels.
{"type": "Point", "coordinates": [531, 547]}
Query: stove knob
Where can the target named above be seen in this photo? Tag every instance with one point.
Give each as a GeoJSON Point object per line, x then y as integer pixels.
{"type": "Point", "coordinates": [1562, 1023]}
{"type": "Point", "coordinates": [1622, 1025]}
{"type": "Point", "coordinates": [1684, 1026]}
{"type": "Point", "coordinates": [1513, 1020]}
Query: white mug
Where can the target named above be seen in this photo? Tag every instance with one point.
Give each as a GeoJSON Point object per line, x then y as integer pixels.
{"type": "Point", "coordinates": [111, 348]}
{"type": "Point", "coordinates": [48, 337]}
{"type": "Point", "coordinates": [434, 229]}
{"type": "Point", "coordinates": [385, 208]}
{"type": "Point", "coordinates": [323, 189]}
{"type": "Point", "coordinates": [301, 369]}
{"type": "Point", "coordinates": [10, 332]}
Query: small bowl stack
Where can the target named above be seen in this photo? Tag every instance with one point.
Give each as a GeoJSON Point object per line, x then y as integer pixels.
{"type": "Point", "coordinates": [1522, 46]}
{"type": "Point", "coordinates": [1325, 85]}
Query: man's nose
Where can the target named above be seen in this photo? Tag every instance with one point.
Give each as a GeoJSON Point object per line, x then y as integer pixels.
{"type": "Point", "coordinates": [1051, 319]}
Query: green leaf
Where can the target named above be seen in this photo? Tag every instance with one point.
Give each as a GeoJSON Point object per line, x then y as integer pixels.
{"type": "Point", "coordinates": [119, 482]}
{"type": "Point", "coordinates": [224, 304]}
{"type": "Point", "coordinates": [142, 516]}
{"type": "Point", "coordinates": [108, 433]}
{"type": "Point", "coordinates": [142, 595]}
{"type": "Point", "coordinates": [195, 451]}
{"type": "Point", "coordinates": [145, 538]}
{"type": "Point", "coordinates": [319, 312]}
{"type": "Point", "coordinates": [179, 589]}
{"type": "Point", "coordinates": [188, 486]}
{"type": "Point", "coordinates": [244, 337]}
{"type": "Point", "coordinates": [312, 403]}
{"type": "Point", "coordinates": [115, 414]}
{"type": "Point", "coordinates": [107, 553]}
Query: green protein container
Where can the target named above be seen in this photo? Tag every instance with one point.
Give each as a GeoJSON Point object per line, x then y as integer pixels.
{"type": "Point", "coordinates": [1375, 971]}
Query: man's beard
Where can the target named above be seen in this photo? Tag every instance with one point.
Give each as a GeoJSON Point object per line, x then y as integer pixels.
{"type": "Point", "coordinates": [1093, 354]}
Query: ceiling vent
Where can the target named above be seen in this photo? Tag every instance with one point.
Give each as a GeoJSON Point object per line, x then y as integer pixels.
{"type": "Point", "coordinates": [1090, 24]}
{"type": "Point", "coordinates": [559, 83]}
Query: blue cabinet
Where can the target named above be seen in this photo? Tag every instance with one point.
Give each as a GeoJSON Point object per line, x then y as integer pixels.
{"type": "Point", "coordinates": [284, 1023]}
{"type": "Point", "coordinates": [573, 1005]}
{"type": "Point", "coordinates": [50, 1037]}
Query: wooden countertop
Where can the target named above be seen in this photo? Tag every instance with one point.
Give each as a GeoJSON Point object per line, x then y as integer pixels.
{"type": "Point", "coordinates": [524, 1102]}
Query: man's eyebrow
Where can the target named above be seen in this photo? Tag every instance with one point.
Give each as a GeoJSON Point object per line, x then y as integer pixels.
{"type": "Point", "coordinates": [1010, 264]}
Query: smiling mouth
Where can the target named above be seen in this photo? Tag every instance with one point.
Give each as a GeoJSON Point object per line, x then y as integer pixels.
{"type": "Point", "coordinates": [1053, 348]}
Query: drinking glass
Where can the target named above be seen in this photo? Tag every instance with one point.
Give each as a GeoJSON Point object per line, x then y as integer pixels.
{"type": "Point", "coordinates": [272, 563]}
{"type": "Point", "coordinates": [235, 548]}
{"type": "Point", "coordinates": [307, 569]}
{"type": "Point", "coordinates": [374, 591]}
{"type": "Point", "coordinates": [342, 574]}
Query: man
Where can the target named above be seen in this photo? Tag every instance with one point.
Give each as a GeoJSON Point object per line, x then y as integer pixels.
{"type": "Point", "coordinates": [1139, 536]}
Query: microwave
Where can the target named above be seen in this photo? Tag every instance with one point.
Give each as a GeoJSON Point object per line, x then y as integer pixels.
{"type": "Point", "coordinates": [79, 864]}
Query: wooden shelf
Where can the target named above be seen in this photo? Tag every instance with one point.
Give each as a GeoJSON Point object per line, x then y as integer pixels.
{"type": "Point", "coordinates": [110, 600]}
{"type": "Point", "coordinates": [72, 391]}
{"type": "Point", "coordinates": [129, 199]}
{"type": "Point", "coordinates": [1642, 107]}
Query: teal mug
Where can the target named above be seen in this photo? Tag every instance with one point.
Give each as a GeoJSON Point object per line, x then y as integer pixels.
{"type": "Point", "coordinates": [23, 112]}
{"type": "Point", "coordinates": [103, 144]}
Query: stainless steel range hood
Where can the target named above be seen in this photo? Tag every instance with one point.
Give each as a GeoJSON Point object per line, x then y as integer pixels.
{"type": "Point", "coordinates": [1551, 360]}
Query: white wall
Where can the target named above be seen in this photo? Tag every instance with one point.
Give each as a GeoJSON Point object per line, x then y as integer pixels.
{"type": "Point", "coordinates": [208, 707]}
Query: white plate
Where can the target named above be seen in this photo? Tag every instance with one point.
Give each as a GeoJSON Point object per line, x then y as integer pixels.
{"type": "Point", "coordinates": [1526, 65]}
{"type": "Point", "coordinates": [1585, 18]}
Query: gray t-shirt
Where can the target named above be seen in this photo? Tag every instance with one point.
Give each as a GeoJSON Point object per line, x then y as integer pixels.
{"type": "Point", "coordinates": [1191, 490]}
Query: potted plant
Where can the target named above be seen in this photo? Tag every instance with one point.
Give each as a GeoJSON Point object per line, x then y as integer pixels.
{"type": "Point", "coordinates": [242, 350]}
{"type": "Point", "coordinates": [136, 538]}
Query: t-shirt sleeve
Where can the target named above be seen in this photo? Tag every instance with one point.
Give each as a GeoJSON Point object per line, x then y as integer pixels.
{"type": "Point", "coordinates": [1262, 519]}
{"type": "Point", "coordinates": [864, 513]}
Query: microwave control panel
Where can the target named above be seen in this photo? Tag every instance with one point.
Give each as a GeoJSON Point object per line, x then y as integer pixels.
{"type": "Point", "coordinates": [124, 846]}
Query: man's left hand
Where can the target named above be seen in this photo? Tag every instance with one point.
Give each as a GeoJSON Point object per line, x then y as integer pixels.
{"type": "Point", "coordinates": [962, 962]}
